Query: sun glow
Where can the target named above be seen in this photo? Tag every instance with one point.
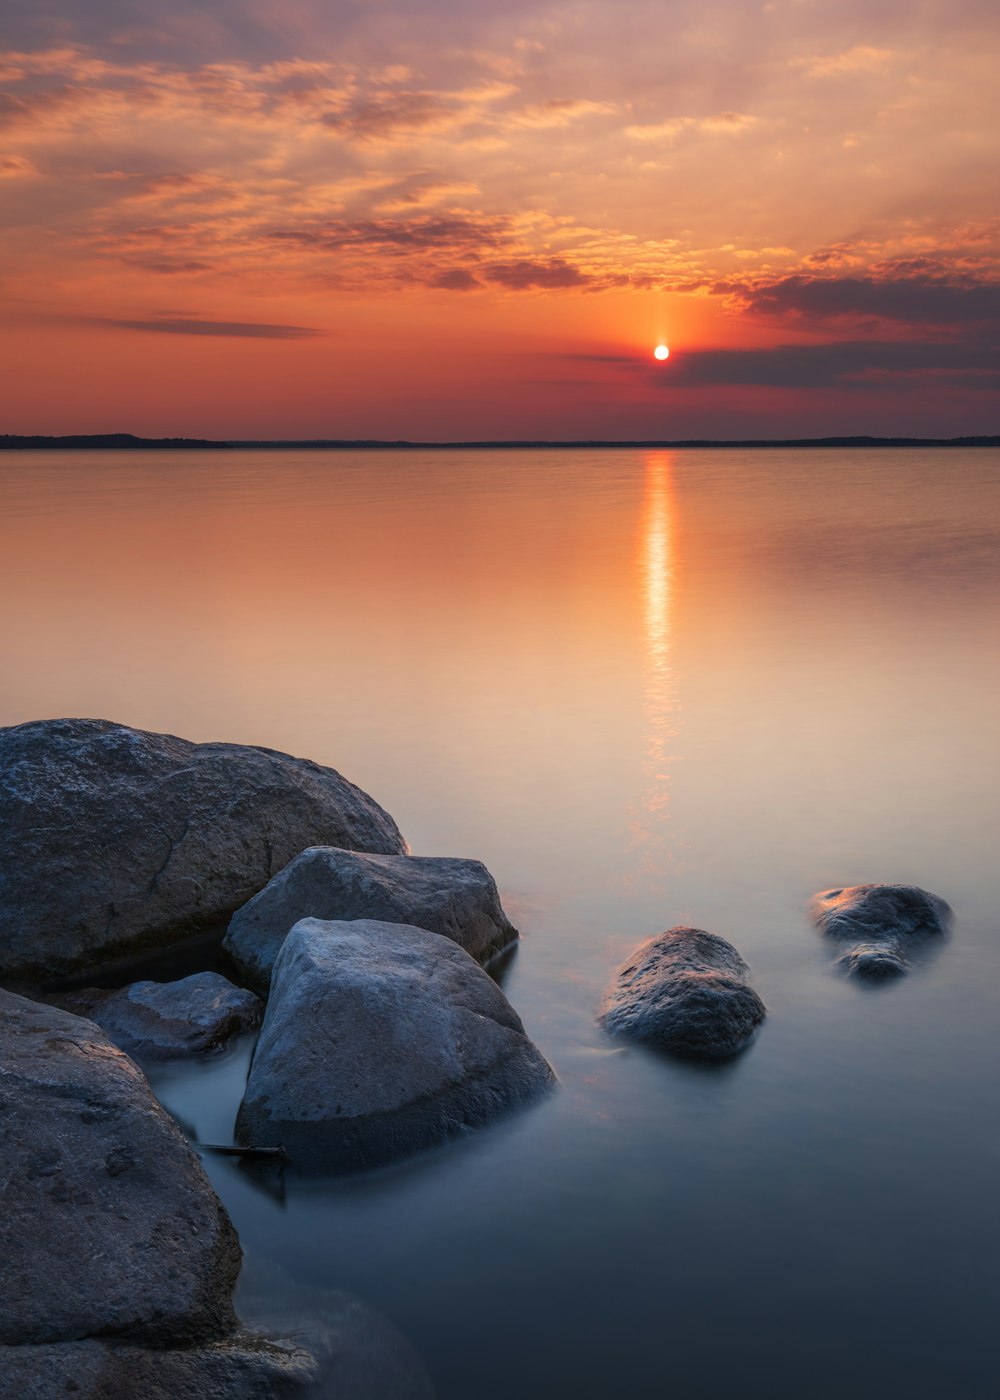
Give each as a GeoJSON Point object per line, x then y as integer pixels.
{"type": "Point", "coordinates": [662, 352]}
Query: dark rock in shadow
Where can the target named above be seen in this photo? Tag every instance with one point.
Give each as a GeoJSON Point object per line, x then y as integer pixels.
{"type": "Point", "coordinates": [685, 991]}
{"type": "Point", "coordinates": [880, 929]}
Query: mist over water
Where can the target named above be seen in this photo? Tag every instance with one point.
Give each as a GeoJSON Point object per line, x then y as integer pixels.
{"type": "Point", "coordinates": [646, 688]}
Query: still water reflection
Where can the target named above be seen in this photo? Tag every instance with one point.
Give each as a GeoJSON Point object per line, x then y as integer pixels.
{"type": "Point", "coordinates": [646, 689]}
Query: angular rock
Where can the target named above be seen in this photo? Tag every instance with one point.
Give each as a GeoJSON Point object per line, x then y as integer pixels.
{"type": "Point", "coordinates": [115, 842]}
{"type": "Point", "coordinates": [161, 1020]}
{"type": "Point", "coordinates": [685, 991]}
{"type": "Point", "coordinates": [380, 1039]}
{"type": "Point", "coordinates": [109, 1224]}
{"type": "Point", "coordinates": [454, 897]}
{"type": "Point", "coordinates": [879, 927]}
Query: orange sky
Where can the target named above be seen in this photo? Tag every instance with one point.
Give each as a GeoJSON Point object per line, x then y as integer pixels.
{"type": "Point", "coordinates": [454, 220]}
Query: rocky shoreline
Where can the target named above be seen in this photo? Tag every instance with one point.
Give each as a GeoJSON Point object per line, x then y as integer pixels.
{"type": "Point", "coordinates": [381, 1035]}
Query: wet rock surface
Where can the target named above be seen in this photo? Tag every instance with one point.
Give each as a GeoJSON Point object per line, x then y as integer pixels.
{"type": "Point", "coordinates": [381, 1039]}
{"type": "Point", "coordinates": [116, 842]}
{"type": "Point", "coordinates": [163, 1020]}
{"type": "Point", "coordinates": [109, 1224]}
{"type": "Point", "coordinates": [685, 991]}
{"type": "Point", "coordinates": [454, 897]}
{"type": "Point", "coordinates": [879, 928]}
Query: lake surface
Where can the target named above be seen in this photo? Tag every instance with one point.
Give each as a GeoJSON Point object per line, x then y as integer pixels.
{"type": "Point", "coordinates": [647, 688]}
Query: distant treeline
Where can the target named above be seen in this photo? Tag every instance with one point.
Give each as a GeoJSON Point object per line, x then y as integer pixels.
{"type": "Point", "coordinates": [128, 440]}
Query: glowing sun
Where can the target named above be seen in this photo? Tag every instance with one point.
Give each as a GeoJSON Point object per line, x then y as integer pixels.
{"type": "Point", "coordinates": [661, 352]}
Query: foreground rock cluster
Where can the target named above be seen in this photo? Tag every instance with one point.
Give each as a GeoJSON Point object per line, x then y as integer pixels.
{"type": "Point", "coordinates": [120, 1261]}
{"type": "Point", "coordinates": [381, 1035]}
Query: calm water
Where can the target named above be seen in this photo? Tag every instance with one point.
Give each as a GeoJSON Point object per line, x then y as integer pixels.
{"type": "Point", "coordinates": [646, 689]}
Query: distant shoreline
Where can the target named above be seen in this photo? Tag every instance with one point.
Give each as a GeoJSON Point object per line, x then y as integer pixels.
{"type": "Point", "coordinates": [124, 441]}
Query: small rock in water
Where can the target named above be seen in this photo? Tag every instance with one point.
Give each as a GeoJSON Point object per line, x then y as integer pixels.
{"type": "Point", "coordinates": [877, 926]}
{"type": "Point", "coordinates": [381, 1039]}
{"type": "Point", "coordinates": [454, 897]}
{"type": "Point", "coordinates": [685, 991]}
{"type": "Point", "coordinates": [160, 1020]}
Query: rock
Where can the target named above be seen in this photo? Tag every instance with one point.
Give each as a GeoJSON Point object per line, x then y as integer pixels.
{"type": "Point", "coordinates": [380, 1039]}
{"type": "Point", "coordinates": [242, 1367]}
{"type": "Point", "coordinates": [879, 926]}
{"type": "Point", "coordinates": [160, 1020]}
{"type": "Point", "coordinates": [109, 1223]}
{"type": "Point", "coordinates": [685, 991]}
{"type": "Point", "coordinates": [115, 842]}
{"type": "Point", "coordinates": [457, 898]}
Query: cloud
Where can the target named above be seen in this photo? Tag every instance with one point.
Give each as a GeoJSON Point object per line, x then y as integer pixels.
{"type": "Point", "coordinates": [862, 58]}
{"type": "Point", "coordinates": [456, 279]}
{"type": "Point", "coordinates": [527, 273]}
{"type": "Point", "coordinates": [919, 299]}
{"type": "Point", "coordinates": [823, 366]}
{"type": "Point", "coordinates": [250, 330]}
{"type": "Point", "coordinates": [722, 123]}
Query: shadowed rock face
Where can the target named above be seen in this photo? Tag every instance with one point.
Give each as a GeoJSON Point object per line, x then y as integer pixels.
{"type": "Point", "coordinates": [161, 1020]}
{"type": "Point", "coordinates": [878, 927]}
{"type": "Point", "coordinates": [381, 1039]}
{"type": "Point", "coordinates": [685, 991]}
{"type": "Point", "coordinates": [115, 842]}
{"type": "Point", "coordinates": [109, 1224]}
{"type": "Point", "coordinates": [453, 897]}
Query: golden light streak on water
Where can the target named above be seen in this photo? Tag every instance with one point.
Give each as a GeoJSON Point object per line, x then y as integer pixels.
{"type": "Point", "coordinates": [657, 571]}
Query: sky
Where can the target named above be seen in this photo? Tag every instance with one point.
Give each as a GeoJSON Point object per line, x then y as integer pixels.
{"type": "Point", "coordinates": [454, 219]}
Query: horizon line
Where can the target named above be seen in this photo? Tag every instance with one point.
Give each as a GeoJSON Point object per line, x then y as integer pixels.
{"type": "Point", "coordinates": [83, 441]}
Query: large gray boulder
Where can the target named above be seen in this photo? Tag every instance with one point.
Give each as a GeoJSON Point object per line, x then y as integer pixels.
{"type": "Point", "coordinates": [380, 1039]}
{"type": "Point", "coordinates": [115, 842]}
{"type": "Point", "coordinates": [163, 1020]}
{"type": "Point", "coordinates": [685, 991]}
{"type": "Point", "coordinates": [109, 1224]}
{"type": "Point", "coordinates": [879, 927]}
{"type": "Point", "coordinates": [454, 897]}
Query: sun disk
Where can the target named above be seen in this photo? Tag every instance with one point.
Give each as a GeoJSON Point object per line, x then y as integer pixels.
{"type": "Point", "coordinates": [661, 352]}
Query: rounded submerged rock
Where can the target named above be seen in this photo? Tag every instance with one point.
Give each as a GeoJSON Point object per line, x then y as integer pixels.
{"type": "Point", "coordinates": [116, 843]}
{"type": "Point", "coordinates": [379, 1040]}
{"type": "Point", "coordinates": [448, 895]}
{"type": "Point", "coordinates": [685, 991]}
{"type": "Point", "coordinates": [879, 927]}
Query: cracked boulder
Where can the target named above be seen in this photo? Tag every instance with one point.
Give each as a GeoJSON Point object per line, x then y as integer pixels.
{"type": "Point", "coordinates": [878, 929]}
{"type": "Point", "coordinates": [381, 1039]}
{"type": "Point", "coordinates": [685, 991]}
{"type": "Point", "coordinates": [163, 1020]}
{"type": "Point", "coordinates": [454, 897]}
{"type": "Point", "coordinates": [116, 843]}
{"type": "Point", "coordinates": [109, 1224]}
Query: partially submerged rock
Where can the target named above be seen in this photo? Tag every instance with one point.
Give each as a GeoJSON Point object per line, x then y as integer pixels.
{"type": "Point", "coordinates": [454, 897]}
{"type": "Point", "coordinates": [161, 1020]}
{"type": "Point", "coordinates": [685, 991]}
{"type": "Point", "coordinates": [115, 842]}
{"type": "Point", "coordinates": [381, 1039]}
{"type": "Point", "coordinates": [878, 927]}
{"type": "Point", "coordinates": [109, 1224]}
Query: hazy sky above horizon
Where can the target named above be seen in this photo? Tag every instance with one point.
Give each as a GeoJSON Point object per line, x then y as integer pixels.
{"type": "Point", "coordinates": [454, 219]}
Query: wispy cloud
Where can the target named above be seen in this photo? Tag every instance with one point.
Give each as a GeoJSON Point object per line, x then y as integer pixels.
{"type": "Point", "coordinates": [251, 330]}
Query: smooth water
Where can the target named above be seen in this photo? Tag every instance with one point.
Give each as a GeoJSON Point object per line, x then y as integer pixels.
{"type": "Point", "coordinates": [647, 688]}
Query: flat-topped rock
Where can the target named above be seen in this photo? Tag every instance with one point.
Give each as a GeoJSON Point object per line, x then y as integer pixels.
{"type": "Point", "coordinates": [109, 1223]}
{"type": "Point", "coordinates": [879, 927]}
{"type": "Point", "coordinates": [115, 842]}
{"type": "Point", "coordinates": [454, 897]}
{"type": "Point", "coordinates": [162, 1020]}
{"type": "Point", "coordinates": [685, 991]}
{"type": "Point", "coordinates": [381, 1039]}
